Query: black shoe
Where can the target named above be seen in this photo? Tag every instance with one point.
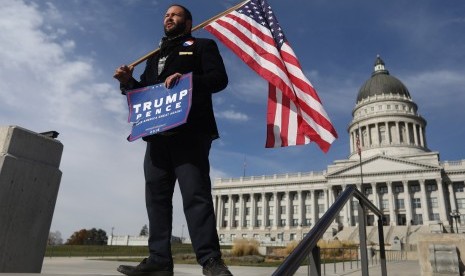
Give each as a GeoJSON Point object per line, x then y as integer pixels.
{"type": "Point", "coordinates": [215, 267]}
{"type": "Point", "coordinates": [147, 269]}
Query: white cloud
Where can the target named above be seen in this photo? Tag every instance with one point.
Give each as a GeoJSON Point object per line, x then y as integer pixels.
{"type": "Point", "coordinates": [43, 87]}
{"type": "Point", "coordinates": [232, 115]}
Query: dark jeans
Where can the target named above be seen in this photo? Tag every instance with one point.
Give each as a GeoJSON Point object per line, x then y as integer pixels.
{"type": "Point", "coordinates": [182, 157]}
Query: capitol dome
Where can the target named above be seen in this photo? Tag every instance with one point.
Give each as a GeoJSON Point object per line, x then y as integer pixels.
{"type": "Point", "coordinates": [381, 83]}
{"type": "Point", "coordinates": [385, 118]}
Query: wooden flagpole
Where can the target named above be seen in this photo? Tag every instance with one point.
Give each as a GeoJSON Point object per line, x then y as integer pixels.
{"type": "Point", "coordinates": [200, 26]}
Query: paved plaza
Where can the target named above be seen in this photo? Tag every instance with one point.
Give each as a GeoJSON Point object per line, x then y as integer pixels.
{"type": "Point", "coordinates": [92, 267]}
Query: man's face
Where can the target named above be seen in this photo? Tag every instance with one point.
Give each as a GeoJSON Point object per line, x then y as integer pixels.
{"type": "Point", "coordinates": [175, 22]}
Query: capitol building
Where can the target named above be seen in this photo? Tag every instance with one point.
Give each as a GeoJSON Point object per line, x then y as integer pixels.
{"type": "Point", "coordinates": [396, 170]}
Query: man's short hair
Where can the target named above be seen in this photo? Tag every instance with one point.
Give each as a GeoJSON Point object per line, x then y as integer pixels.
{"type": "Point", "coordinates": [187, 13]}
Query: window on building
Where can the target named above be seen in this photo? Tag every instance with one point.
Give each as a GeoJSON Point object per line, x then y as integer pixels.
{"type": "Point", "coordinates": [259, 222]}
{"type": "Point", "coordinates": [283, 222]}
{"type": "Point", "coordinates": [418, 219]}
{"type": "Point", "coordinates": [244, 236]}
{"type": "Point", "coordinates": [321, 194]}
{"type": "Point", "coordinates": [295, 209]}
{"type": "Point", "coordinates": [233, 237]}
{"type": "Point", "coordinates": [308, 209]}
{"type": "Point", "coordinates": [270, 222]}
{"type": "Point", "coordinates": [280, 236]}
{"type": "Point", "coordinates": [226, 211]}
{"type": "Point", "coordinates": [283, 209]}
{"type": "Point", "coordinates": [459, 187]}
{"type": "Point", "coordinates": [271, 210]}
{"type": "Point", "coordinates": [225, 223]}
{"type": "Point", "coordinates": [383, 190]}
{"type": "Point", "coordinates": [461, 203]}
{"type": "Point", "coordinates": [256, 237]}
{"type": "Point", "coordinates": [247, 211]}
{"type": "Point", "coordinates": [416, 203]}
{"type": "Point", "coordinates": [259, 211]}
{"type": "Point", "coordinates": [236, 211]}
{"type": "Point", "coordinates": [308, 222]}
{"type": "Point", "coordinates": [321, 208]}
{"type": "Point", "coordinates": [295, 196]}
{"type": "Point", "coordinates": [432, 187]}
{"type": "Point", "coordinates": [235, 223]}
{"type": "Point", "coordinates": [385, 204]}
{"type": "Point", "coordinates": [400, 203]}
{"type": "Point", "coordinates": [247, 223]}
{"type": "Point", "coordinates": [292, 236]}
{"type": "Point", "coordinates": [221, 237]}
{"type": "Point", "coordinates": [368, 191]}
{"type": "Point", "coordinates": [434, 216]}
{"type": "Point", "coordinates": [415, 188]}
{"type": "Point", "coordinates": [433, 202]}
{"type": "Point", "coordinates": [247, 199]}
{"type": "Point", "coordinates": [398, 189]}
{"type": "Point", "coordinates": [295, 222]}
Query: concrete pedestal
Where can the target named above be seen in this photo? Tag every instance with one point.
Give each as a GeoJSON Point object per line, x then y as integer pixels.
{"type": "Point", "coordinates": [29, 182]}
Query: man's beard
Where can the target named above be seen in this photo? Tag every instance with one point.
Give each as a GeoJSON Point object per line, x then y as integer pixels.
{"type": "Point", "coordinates": [177, 30]}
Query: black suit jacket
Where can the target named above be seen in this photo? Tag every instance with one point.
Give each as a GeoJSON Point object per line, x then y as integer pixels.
{"type": "Point", "coordinates": [201, 57]}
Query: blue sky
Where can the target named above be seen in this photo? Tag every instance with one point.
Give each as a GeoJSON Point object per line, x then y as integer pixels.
{"type": "Point", "coordinates": [58, 58]}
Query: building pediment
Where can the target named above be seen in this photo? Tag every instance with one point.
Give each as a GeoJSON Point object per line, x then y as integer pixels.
{"type": "Point", "coordinates": [382, 164]}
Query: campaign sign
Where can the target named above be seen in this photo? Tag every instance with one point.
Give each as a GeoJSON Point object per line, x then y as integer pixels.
{"type": "Point", "coordinates": [155, 109]}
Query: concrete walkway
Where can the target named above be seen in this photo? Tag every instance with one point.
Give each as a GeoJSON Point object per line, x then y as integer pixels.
{"type": "Point", "coordinates": [83, 266]}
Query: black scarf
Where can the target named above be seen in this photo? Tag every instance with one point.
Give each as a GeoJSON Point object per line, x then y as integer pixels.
{"type": "Point", "coordinates": [167, 44]}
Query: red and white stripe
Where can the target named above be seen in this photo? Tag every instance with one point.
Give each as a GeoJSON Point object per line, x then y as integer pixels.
{"type": "Point", "coordinates": [295, 113]}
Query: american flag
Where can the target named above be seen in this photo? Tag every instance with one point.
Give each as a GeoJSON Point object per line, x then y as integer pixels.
{"type": "Point", "coordinates": [295, 113]}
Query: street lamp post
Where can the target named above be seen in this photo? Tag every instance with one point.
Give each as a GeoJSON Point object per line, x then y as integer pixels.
{"type": "Point", "coordinates": [455, 215]}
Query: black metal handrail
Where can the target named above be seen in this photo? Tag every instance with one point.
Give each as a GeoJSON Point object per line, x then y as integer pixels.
{"type": "Point", "coordinates": [307, 245]}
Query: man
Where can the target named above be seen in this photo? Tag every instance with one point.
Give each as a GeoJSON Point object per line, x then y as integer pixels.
{"type": "Point", "coordinates": [182, 152]}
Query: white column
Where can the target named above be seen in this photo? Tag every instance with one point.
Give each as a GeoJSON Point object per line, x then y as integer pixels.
{"type": "Point", "coordinates": [276, 210]}
{"type": "Point", "coordinates": [391, 204]}
{"type": "Point", "coordinates": [264, 211]}
{"type": "Point", "coordinates": [408, 202]}
{"type": "Point", "coordinates": [314, 204]}
{"type": "Point", "coordinates": [424, 202]}
{"type": "Point", "coordinates": [241, 211]}
{"type": "Point", "coordinates": [375, 194]}
{"type": "Point", "coordinates": [441, 202]}
{"type": "Point", "coordinates": [346, 218]}
{"type": "Point", "coordinates": [407, 131]}
{"type": "Point", "coordinates": [230, 211]}
{"type": "Point", "coordinates": [389, 137]}
{"type": "Point", "coordinates": [219, 214]}
{"type": "Point", "coordinates": [452, 198]}
{"type": "Point", "coordinates": [288, 209]}
{"type": "Point", "coordinates": [398, 132]}
{"type": "Point", "coordinates": [422, 139]}
{"type": "Point", "coordinates": [253, 217]}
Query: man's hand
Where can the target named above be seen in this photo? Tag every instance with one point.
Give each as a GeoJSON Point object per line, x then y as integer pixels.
{"type": "Point", "coordinates": [172, 80]}
{"type": "Point", "coordinates": [123, 74]}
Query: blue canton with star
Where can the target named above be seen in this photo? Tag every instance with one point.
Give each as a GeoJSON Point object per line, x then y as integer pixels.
{"type": "Point", "coordinates": [261, 12]}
